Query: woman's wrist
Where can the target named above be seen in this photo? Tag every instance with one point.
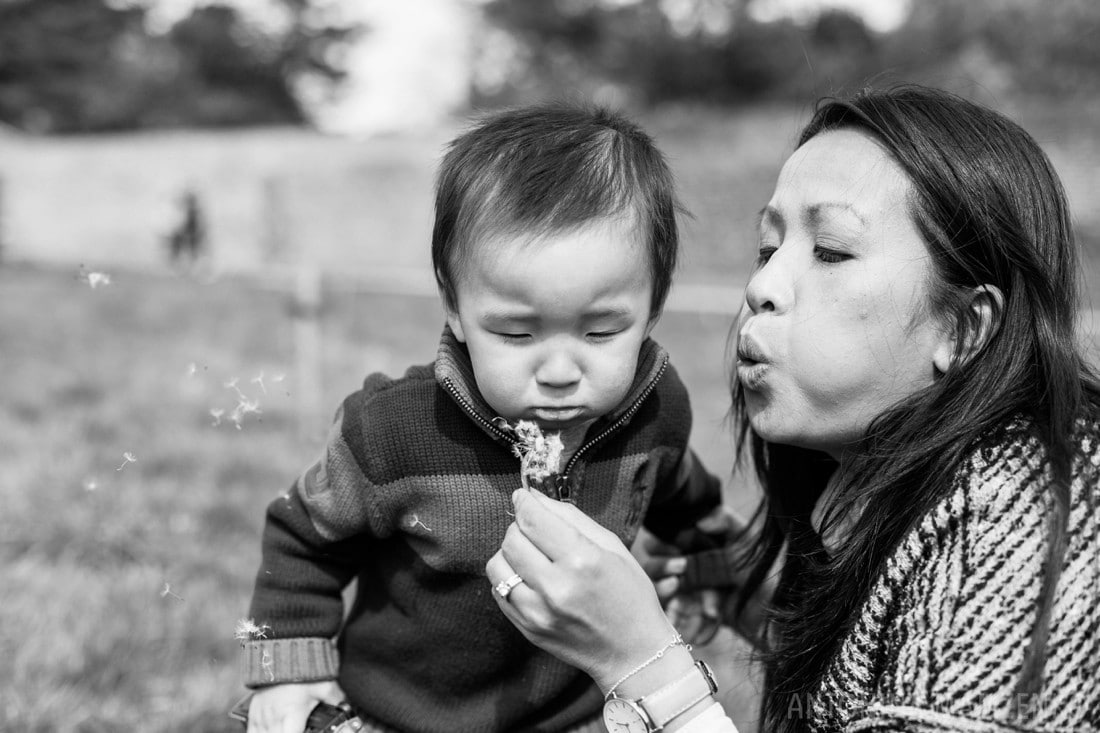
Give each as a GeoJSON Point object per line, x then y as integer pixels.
{"type": "Point", "coordinates": [673, 665]}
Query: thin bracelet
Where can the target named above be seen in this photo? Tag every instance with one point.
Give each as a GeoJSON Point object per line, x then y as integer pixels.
{"type": "Point", "coordinates": [676, 641]}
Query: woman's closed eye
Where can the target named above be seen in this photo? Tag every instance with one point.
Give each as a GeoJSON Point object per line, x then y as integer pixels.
{"type": "Point", "coordinates": [830, 256]}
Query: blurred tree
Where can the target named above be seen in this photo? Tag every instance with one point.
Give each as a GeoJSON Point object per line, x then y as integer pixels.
{"type": "Point", "coordinates": [657, 50]}
{"type": "Point", "coordinates": [654, 50]}
{"type": "Point", "coordinates": [76, 65]}
{"type": "Point", "coordinates": [65, 64]}
{"type": "Point", "coordinates": [1048, 48]}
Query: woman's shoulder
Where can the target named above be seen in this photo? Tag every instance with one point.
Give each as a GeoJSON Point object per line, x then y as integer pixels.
{"type": "Point", "coordinates": [963, 591]}
{"type": "Point", "coordinates": [1009, 472]}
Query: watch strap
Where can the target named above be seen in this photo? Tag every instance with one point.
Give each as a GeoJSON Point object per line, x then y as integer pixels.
{"type": "Point", "coordinates": [678, 696]}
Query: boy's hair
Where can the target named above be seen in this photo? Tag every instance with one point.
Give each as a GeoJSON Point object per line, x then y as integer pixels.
{"type": "Point", "coordinates": [547, 169]}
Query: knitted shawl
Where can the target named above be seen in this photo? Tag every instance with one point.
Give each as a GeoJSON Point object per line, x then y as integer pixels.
{"type": "Point", "coordinates": [939, 644]}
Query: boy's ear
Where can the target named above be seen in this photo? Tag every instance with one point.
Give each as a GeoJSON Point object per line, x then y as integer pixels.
{"type": "Point", "coordinates": [973, 329]}
{"type": "Point", "coordinates": [455, 324]}
{"type": "Point", "coordinates": [652, 324]}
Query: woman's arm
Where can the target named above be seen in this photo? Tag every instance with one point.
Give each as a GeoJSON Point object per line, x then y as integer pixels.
{"type": "Point", "coordinates": [587, 601]}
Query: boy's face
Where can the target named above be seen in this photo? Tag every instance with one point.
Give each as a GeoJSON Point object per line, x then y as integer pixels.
{"type": "Point", "coordinates": [554, 326]}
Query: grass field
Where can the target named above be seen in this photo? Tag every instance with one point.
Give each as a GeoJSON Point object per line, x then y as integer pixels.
{"type": "Point", "coordinates": [121, 580]}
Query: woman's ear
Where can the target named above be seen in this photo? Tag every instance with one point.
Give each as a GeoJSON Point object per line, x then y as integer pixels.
{"type": "Point", "coordinates": [975, 327]}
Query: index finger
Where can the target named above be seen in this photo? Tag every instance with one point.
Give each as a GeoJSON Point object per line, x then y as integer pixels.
{"type": "Point", "coordinates": [558, 528]}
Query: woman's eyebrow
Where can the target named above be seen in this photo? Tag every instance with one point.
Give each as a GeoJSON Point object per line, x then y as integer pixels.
{"type": "Point", "coordinates": [815, 213]}
{"type": "Point", "coordinates": [769, 215]}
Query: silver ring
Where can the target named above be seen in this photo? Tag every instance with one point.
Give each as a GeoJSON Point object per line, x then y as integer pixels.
{"type": "Point", "coordinates": [505, 587]}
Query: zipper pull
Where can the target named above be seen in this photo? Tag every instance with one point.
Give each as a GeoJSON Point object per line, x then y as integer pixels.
{"type": "Point", "coordinates": [504, 426]}
{"type": "Point", "coordinates": [563, 488]}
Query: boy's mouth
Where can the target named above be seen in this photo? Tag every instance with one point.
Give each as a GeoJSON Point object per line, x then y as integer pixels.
{"type": "Point", "coordinates": [557, 414]}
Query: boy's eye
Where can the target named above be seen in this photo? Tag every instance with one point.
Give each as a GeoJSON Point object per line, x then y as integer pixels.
{"type": "Point", "coordinates": [603, 335]}
{"type": "Point", "coordinates": [764, 254]}
{"type": "Point", "coordinates": [513, 336]}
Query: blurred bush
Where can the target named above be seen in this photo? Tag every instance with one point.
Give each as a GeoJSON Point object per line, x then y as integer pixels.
{"type": "Point", "coordinates": [651, 51]}
{"type": "Point", "coordinates": [80, 65]}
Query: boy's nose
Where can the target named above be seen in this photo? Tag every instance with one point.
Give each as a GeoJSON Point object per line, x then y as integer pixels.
{"type": "Point", "coordinates": [558, 370]}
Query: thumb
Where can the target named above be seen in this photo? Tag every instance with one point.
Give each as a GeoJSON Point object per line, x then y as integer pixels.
{"type": "Point", "coordinates": [666, 587]}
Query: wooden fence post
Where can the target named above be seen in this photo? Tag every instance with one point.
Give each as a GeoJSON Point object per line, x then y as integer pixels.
{"type": "Point", "coordinates": [307, 302]}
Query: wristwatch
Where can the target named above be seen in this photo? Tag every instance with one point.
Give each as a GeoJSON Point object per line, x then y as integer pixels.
{"type": "Point", "coordinates": [653, 712]}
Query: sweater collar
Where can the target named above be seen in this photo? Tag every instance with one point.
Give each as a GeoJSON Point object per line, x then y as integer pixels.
{"type": "Point", "coordinates": [455, 373]}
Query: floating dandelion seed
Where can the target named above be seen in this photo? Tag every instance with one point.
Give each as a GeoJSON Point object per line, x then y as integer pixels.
{"type": "Point", "coordinates": [192, 368]}
{"type": "Point", "coordinates": [414, 521]}
{"type": "Point", "coordinates": [232, 384]}
{"type": "Point", "coordinates": [90, 484]}
{"type": "Point", "coordinates": [216, 413]}
{"type": "Point", "coordinates": [244, 406]}
{"type": "Point", "coordinates": [168, 592]}
{"type": "Point", "coordinates": [259, 379]}
{"type": "Point", "coordinates": [127, 457]}
{"type": "Point", "coordinates": [248, 630]}
{"type": "Point", "coordinates": [278, 377]}
{"type": "Point", "coordinates": [94, 279]}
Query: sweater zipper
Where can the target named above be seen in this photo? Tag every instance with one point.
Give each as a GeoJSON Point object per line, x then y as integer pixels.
{"type": "Point", "coordinates": [562, 487]}
{"type": "Point", "coordinates": [564, 493]}
{"type": "Point", "coordinates": [493, 429]}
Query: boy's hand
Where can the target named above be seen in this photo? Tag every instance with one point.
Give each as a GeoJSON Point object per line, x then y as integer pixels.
{"type": "Point", "coordinates": [697, 616]}
{"type": "Point", "coordinates": [285, 708]}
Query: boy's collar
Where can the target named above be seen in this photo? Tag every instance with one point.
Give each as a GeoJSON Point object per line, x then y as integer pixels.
{"type": "Point", "coordinates": [454, 371]}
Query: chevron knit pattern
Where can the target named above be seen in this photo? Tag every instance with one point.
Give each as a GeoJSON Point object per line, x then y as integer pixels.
{"type": "Point", "coordinates": [940, 643]}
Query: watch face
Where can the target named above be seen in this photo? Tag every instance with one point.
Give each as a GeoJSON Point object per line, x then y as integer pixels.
{"type": "Point", "coordinates": [621, 716]}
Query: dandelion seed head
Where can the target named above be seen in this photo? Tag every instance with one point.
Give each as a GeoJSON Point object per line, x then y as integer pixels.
{"type": "Point", "coordinates": [540, 455]}
{"type": "Point", "coordinates": [90, 484]}
{"type": "Point", "coordinates": [248, 630]}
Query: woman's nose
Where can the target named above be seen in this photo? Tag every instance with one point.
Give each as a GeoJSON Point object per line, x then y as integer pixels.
{"type": "Point", "coordinates": [769, 288]}
{"type": "Point", "coordinates": [558, 369]}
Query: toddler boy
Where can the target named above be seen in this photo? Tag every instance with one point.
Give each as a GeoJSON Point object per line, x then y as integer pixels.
{"type": "Point", "coordinates": [554, 243]}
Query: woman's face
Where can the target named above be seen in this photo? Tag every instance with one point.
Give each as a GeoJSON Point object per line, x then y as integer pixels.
{"type": "Point", "coordinates": [835, 326]}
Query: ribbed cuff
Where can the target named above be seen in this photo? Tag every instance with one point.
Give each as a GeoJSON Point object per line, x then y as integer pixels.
{"type": "Point", "coordinates": [275, 661]}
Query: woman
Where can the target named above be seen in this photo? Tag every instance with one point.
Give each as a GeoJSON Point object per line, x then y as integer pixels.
{"type": "Point", "coordinates": [926, 433]}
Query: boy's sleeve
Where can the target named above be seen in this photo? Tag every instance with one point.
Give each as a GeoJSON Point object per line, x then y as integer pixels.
{"type": "Point", "coordinates": [312, 538]}
{"type": "Point", "coordinates": [692, 494]}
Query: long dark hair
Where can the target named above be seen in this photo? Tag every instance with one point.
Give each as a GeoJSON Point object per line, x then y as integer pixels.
{"type": "Point", "coordinates": [992, 212]}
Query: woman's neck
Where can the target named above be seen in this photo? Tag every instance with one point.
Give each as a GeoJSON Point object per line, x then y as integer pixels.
{"type": "Point", "coordinates": [836, 533]}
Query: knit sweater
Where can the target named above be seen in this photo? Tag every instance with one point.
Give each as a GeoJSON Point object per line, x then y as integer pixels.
{"type": "Point", "coordinates": [411, 497]}
{"type": "Point", "coordinates": [939, 643]}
